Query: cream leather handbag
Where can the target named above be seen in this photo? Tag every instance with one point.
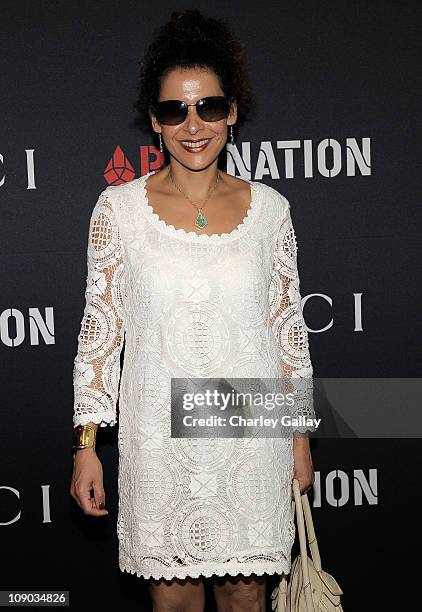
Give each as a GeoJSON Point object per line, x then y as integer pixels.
{"type": "Point", "coordinates": [307, 588]}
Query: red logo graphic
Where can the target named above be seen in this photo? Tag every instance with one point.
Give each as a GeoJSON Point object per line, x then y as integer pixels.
{"type": "Point", "coordinates": [120, 170]}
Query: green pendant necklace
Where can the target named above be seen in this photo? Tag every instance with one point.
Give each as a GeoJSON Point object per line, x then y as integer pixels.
{"type": "Point", "coordinates": [200, 220]}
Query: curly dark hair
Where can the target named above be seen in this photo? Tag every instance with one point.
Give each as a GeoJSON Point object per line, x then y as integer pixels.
{"type": "Point", "coordinates": [191, 40]}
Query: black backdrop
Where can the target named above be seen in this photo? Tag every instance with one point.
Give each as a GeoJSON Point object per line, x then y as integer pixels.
{"type": "Point", "coordinates": [331, 78]}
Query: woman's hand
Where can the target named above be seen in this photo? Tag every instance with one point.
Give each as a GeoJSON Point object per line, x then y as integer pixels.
{"type": "Point", "coordinates": [87, 475]}
{"type": "Point", "coordinates": [303, 466]}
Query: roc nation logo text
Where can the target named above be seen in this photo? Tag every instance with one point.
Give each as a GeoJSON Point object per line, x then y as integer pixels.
{"type": "Point", "coordinates": [283, 159]}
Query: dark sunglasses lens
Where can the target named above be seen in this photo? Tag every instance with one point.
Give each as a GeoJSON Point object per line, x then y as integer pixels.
{"type": "Point", "coordinates": [170, 112]}
{"type": "Point", "coordinates": [213, 108]}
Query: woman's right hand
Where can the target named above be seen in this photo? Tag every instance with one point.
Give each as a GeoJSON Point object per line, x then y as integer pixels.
{"type": "Point", "coordinates": [87, 475]}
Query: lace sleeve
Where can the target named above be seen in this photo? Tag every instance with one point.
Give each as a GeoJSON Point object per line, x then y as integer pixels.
{"type": "Point", "coordinates": [287, 319]}
{"type": "Point", "coordinates": [96, 371]}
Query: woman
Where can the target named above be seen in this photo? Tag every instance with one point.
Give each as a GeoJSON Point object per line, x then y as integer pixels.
{"type": "Point", "coordinates": [197, 270]}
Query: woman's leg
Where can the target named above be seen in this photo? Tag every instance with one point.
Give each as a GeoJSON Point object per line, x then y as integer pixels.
{"type": "Point", "coordinates": [240, 594]}
{"type": "Point", "coordinates": [177, 595]}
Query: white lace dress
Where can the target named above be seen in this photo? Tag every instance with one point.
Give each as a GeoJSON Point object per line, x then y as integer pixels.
{"type": "Point", "coordinates": [190, 305]}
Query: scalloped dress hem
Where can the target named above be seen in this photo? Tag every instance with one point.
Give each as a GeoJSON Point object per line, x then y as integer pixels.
{"type": "Point", "coordinates": [208, 570]}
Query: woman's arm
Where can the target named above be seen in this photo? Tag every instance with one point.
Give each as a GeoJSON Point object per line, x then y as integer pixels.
{"type": "Point", "coordinates": [291, 334]}
{"type": "Point", "coordinates": [96, 371]}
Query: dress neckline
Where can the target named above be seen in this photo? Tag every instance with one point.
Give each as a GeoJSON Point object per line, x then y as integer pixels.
{"type": "Point", "coordinates": [184, 234]}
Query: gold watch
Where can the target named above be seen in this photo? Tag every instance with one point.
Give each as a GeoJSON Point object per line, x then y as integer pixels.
{"type": "Point", "coordinates": [84, 437]}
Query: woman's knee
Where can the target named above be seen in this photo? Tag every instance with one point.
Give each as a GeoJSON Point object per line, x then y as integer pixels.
{"type": "Point", "coordinates": [185, 595]}
{"type": "Point", "coordinates": [247, 593]}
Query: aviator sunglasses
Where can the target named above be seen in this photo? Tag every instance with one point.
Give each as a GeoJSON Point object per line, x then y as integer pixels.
{"type": "Point", "coordinates": [174, 112]}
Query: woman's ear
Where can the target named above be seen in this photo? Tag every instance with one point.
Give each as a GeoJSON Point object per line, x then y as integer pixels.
{"type": "Point", "coordinates": [154, 122]}
{"type": "Point", "coordinates": [232, 117]}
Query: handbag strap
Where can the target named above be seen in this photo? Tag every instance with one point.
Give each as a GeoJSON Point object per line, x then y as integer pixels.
{"type": "Point", "coordinates": [307, 587]}
{"type": "Point", "coordinates": [312, 539]}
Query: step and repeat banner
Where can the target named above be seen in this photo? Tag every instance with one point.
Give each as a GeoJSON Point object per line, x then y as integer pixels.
{"type": "Point", "coordinates": [336, 132]}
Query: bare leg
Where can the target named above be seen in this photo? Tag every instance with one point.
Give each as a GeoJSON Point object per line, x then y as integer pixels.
{"type": "Point", "coordinates": [240, 593]}
{"type": "Point", "coordinates": [177, 595]}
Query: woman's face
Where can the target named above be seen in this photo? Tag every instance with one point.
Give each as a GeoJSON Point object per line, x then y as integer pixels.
{"type": "Point", "coordinates": [191, 85]}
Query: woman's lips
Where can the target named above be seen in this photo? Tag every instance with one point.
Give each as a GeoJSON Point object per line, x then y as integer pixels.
{"type": "Point", "coordinates": [191, 149]}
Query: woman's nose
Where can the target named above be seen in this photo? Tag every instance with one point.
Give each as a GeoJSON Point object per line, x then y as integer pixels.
{"type": "Point", "coordinates": [193, 121]}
